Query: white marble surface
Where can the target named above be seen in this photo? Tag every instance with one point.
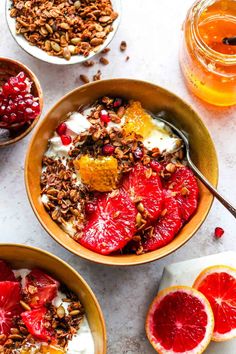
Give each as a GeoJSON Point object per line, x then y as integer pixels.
{"type": "Point", "coordinates": [152, 30]}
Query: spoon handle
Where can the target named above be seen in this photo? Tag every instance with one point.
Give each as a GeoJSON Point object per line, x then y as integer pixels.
{"type": "Point", "coordinates": [209, 186]}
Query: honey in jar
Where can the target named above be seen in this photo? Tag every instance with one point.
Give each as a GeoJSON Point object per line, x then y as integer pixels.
{"type": "Point", "coordinates": [207, 62]}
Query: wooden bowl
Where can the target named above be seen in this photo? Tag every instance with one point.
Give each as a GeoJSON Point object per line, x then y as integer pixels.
{"type": "Point", "coordinates": [10, 67]}
{"type": "Point", "coordinates": [21, 256]}
{"type": "Point", "coordinates": [154, 99]}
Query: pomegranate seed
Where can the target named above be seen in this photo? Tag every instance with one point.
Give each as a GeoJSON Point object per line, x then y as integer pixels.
{"type": "Point", "coordinates": [90, 208]}
{"type": "Point", "coordinates": [61, 129]}
{"type": "Point", "coordinates": [117, 103]}
{"type": "Point", "coordinates": [66, 139]}
{"type": "Point", "coordinates": [138, 153]}
{"type": "Point", "coordinates": [21, 76]}
{"type": "Point", "coordinates": [108, 149]}
{"type": "Point", "coordinates": [219, 232]}
{"type": "Point", "coordinates": [16, 103]}
{"type": "Point", "coordinates": [104, 116]}
{"type": "Point", "coordinates": [156, 166]}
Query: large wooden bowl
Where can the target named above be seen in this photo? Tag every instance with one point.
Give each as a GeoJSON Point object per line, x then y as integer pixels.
{"type": "Point", "coordinates": [10, 67]}
{"type": "Point", "coordinates": [20, 256]}
{"type": "Point", "coordinates": [153, 98]}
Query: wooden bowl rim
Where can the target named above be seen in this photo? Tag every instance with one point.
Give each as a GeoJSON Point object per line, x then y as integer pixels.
{"type": "Point", "coordinates": [40, 95]}
{"type": "Point", "coordinates": [132, 259]}
{"type": "Point", "coordinates": [82, 280]}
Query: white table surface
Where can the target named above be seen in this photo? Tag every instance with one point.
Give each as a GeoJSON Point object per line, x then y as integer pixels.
{"type": "Point", "coordinates": [152, 29]}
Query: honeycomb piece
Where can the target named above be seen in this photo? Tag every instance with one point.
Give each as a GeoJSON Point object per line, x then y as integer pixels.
{"type": "Point", "coordinates": [137, 120]}
{"type": "Point", "coordinates": [100, 174]}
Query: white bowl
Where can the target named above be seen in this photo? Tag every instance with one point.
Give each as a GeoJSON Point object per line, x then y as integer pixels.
{"type": "Point", "coordinates": [42, 55]}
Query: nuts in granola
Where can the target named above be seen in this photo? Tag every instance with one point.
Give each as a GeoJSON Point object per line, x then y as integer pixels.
{"type": "Point", "coordinates": [55, 25]}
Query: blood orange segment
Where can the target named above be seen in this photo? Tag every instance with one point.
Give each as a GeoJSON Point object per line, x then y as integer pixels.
{"type": "Point", "coordinates": [218, 284]}
{"type": "Point", "coordinates": [111, 226]}
{"type": "Point", "coordinates": [147, 190]}
{"type": "Point", "coordinates": [180, 320]}
{"type": "Point", "coordinates": [35, 322]}
{"type": "Point", "coordinates": [5, 272]}
{"type": "Point", "coordinates": [40, 288]}
{"type": "Point", "coordinates": [183, 185]}
{"type": "Point", "coordinates": [165, 228]}
{"type": "Point", "coordinates": [10, 296]}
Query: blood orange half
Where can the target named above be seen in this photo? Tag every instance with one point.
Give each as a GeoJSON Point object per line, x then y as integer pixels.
{"type": "Point", "coordinates": [180, 320]}
{"type": "Point", "coordinates": [218, 284]}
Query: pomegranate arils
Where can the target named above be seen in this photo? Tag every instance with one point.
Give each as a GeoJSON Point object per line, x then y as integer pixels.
{"type": "Point", "coordinates": [17, 105]}
{"type": "Point", "coordinates": [66, 139]}
{"type": "Point", "coordinates": [219, 232]}
{"type": "Point", "coordinates": [61, 129]}
{"type": "Point", "coordinates": [138, 153]}
{"type": "Point", "coordinates": [104, 116]}
{"type": "Point", "coordinates": [117, 102]}
{"type": "Point", "coordinates": [21, 76]}
{"type": "Point", "coordinates": [155, 166]}
{"type": "Point", "coordinates": [90, 208]}
{"type": "Point", "coordinates": [108, 149]}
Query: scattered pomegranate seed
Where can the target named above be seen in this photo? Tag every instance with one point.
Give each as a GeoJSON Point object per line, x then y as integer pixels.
{"type": "Point", "coordinates": [108, 149]}
{"type": "Point", "coordinates": [66, 139]}
{"type": "Point", "coordinates": [156, 166]}
{"type": "Point", "coordinates": [219, 232]}
{"type": "Point", "coordinates": [17, 105]}
{"type": "Point", "coordinates": [61, 129]}
{"type": "Point", "coordinates": [138, 153]}
{"type": "Point", "coordinates": [117, 102]}
{"type": "Point", "coordinates": [90, 208]}
{"type": "Point", "coordinates": [104, 116]}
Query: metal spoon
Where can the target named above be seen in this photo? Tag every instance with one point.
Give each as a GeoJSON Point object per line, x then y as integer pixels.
{"type": "Point", "coordinates": [185, 140]}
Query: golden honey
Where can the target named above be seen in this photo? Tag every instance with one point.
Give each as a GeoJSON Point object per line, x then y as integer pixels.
{"type": "Point", "coordinates": [209, 65]}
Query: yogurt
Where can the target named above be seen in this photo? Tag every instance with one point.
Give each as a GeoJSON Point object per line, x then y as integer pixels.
{"type": "Point", "coordinates": [82, 342]}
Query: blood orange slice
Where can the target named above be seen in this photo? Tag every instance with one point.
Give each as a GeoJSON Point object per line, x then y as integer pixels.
{"type": "Point", "coordinates": [112, 225]}
{"type": "Point", "coordinates": [218, 284]}
{"type": "Point", "coordinates": [166, 226]}
{"type": "Point", "coordinates": [184, 185]}
{"type": "Point", "coordinates": [180, 320]}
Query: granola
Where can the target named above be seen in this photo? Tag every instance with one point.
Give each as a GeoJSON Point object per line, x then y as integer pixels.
{"type": "Point", "coordinates": [116, 158]}
{"type": "Point", "coordinates": [64, 27]}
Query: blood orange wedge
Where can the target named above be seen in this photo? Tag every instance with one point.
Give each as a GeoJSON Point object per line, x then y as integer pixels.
{"type": "Point", "coordinates": [218, 284]}
{"type": "Point", "coordinates": [180, 320]}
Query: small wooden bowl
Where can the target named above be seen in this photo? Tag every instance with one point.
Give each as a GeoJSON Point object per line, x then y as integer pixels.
{"type": "Point", "coordinates": [21, 256]}
{"type": "Point", "coordinates": [10, 67]}
{"type": "Point", "coordinates": [154, 99]}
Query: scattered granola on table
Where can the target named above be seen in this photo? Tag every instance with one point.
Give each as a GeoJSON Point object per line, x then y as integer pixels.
{"type": "Point", "coordinates": [114, 178]}
{"type": "Point", "coordinates": [64, 27]}
{"type": "Point", "coordinates": [40, 315]}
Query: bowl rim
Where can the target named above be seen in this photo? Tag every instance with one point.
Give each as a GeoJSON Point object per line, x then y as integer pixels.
{"type": "Point", "coordinates": [50, 58]}
{"type": "Point", "coordinates": [41, 101]}
{"type": "Point", "coordinates": [106, 259]}
{"type": "Point", "coordinates": [76, 273]}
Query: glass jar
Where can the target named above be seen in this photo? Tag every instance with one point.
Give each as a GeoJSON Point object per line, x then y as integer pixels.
{"type": "Point", "coordinates": [208, 65]}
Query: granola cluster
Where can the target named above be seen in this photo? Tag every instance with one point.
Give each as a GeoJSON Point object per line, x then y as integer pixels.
{"type": "Point", "coordinates": [64, 325]}
{"type": "Point", "coordinates": [64, 27]}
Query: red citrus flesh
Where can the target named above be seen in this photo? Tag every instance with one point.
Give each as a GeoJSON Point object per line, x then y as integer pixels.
{"type": "Point", "coordinates": [10, 296]}
{"type": "Point", "coordinates": [180, 320]}
{"type": "Point", "coordinates": [35, 323]}
{"type": "Point", "coordinates": [218, 284]}
{"type": "Point", "coordinates": [147, 190]}
{"type": "Point", "coordinates": [44, 288]}
{"type": "Point", "coordinates": [166, 226]}
{"type": "Point", "coordinates": [184, 185]}
{"type": "Point", "coordinates": [111, 226]}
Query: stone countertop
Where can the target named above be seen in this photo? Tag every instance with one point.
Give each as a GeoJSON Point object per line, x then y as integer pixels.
{"type": "Point", "coordinates": [153, 35]}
